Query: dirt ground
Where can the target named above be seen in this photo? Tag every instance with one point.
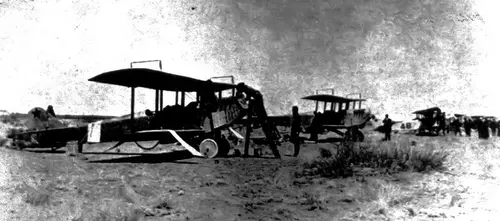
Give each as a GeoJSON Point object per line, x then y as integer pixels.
{"type": "Point", "coordinates": [40, 185]}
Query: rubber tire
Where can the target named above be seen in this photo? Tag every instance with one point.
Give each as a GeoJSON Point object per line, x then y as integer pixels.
{"type": "Point", "coordinates": [209, 148]}
{"type": "Point", "coordinates": [360, 136]}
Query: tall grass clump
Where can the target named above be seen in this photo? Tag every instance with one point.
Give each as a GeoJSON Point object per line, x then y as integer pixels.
{"type": "Point", "coordinates": [391, 156]}
{"type": "Point", "coordinates": [328, 164]}
{"type": "Point", "coordinates": [11, 119]}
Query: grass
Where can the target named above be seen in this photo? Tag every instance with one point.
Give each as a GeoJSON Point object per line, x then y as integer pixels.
{"type": "Point", "coordinates": [52, 191]}
{"type": "Point", "coordinates": [391, 156]}
{"type": "Point", "coordinates": [411, 178]}
{"type": "Point", "coordinates": [11, 119]}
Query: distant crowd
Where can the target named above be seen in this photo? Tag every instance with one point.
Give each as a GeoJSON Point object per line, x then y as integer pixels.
{"type": "Point", "coordinates": [486, 127]}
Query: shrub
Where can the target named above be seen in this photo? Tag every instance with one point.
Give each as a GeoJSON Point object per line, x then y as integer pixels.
{"type": "Point", "coordinates": [11, 119]}
{"type": "Point", "coordinates": [331, 165]}
{"type": "Point", "coordinates": [390, 156]}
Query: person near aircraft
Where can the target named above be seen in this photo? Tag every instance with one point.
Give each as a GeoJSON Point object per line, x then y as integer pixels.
{"type": "Point", "coordinates": [387, 127]}
{"type": "Point", "coordinates": [442, 123]}
{"type": "Point", "coordinates": [50, 110]}
{"type": "Point", "coordinates": [457, 126]}
{"type": "Point", "coordinates": [493, 125]}
{"type": "Point", "coordinates": [314, 128]}
{"type": "Point", "coordinates": [486, 128]}
{"type": "Point", "coordinates": [296, 128]}
{"type": "Point", "coordinates": [482, 129]}
{"type": "Point", "coordinates": [468, 126]}
{"type": "Point", "coordinates": [498, 128]}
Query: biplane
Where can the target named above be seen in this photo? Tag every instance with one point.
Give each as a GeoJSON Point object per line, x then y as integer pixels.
{"type": "Point", "coordinates": [197, 125]}
{"type": "Point", "coordinates": [342, 115]}
{"type": "Point", "coordinates": [429, 120]}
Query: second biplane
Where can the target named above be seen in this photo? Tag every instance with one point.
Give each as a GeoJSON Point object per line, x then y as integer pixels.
{"type": "Point", "coordinates": [432, 120]}
{"type": "Point", "coordinates": [197, 126]}
{"type": "Point", "coordinates": [344, 116]}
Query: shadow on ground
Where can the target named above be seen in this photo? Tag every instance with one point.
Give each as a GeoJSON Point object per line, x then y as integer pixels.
{"type": "Point", "coordinates": [45, 150]}
{"type": "Point", "coordinates": [173, 157]}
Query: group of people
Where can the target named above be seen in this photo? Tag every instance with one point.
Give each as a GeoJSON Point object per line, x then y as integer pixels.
{"type": "Point", "coordinates": [486, 127]}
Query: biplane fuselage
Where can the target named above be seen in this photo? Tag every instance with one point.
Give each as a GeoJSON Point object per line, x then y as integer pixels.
{"type": "Point", "coordinates": [337, 114]}
{"type": "Point", "coordinates": [429, 120]}
{"type": "Point", "coordinates": [201, 120]}
{"type": "Point", "coordinates": [339, 111]}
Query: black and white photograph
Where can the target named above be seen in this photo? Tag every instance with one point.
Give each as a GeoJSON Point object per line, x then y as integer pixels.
{"type": "Point", "coordinates": [243, 110]}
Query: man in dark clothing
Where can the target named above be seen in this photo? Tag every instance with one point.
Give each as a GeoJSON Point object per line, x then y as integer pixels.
{"type": "Point", "coordinates": [483, 130]}
{"type": "Point", "coordinates": [498, 128]}
{"type": "Point", "coordinates": [442, 123]}
{"type": "Point", "coordinates": [314, 128]}
{"type": "Point", "coordinates": [457, 126]}
{"type": "Point", "coordinates": [50, 110]}
{"type": "Point", "coordinates": [493, 126]}
{"type": "Point", "coordinates": [467, 126]}
{"type": "Point", "coordinates": [479, 127]}
{"type": "Point", "coordinates": [486, 124]}
{"type": "Point", "coordinates": [296, 128]}
{"type": "Point", "coordinates": [387, 127]}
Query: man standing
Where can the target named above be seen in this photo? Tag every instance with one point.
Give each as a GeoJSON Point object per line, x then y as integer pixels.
{"type": "Point", "coordinates": [498, 128]}
{"type": "Point", "coordinates": [493, 126]}
{"type": "Point", "coordinates": [483, 129]}
{"type": "Point", "coordinates": [314, 128]}
{"type": "Point", "coordinates": [442, 123]}
{"type": "Point", "coordinates": [50, 110]}
{"type": "Point", "coordinates": [296, 128]}
{"type": "Point", "coordinates": [387, 127]}
{"type": "Point", "coordinates": [457, 127]}
{"type": "Point", "coordinates": [486, 123]}
{"type": "Point", "coordinates": [467, 126]}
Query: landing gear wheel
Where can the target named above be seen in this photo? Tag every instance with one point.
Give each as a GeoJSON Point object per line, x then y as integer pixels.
{"type": "Point", "coordinates": [209, 148]}
{"type": "Point", "coordinates": [354, 135]}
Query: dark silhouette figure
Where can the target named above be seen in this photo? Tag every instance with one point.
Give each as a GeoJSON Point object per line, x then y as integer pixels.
{"type": "Point", "coordinates": [50, 110]}
{"type": "Point", "coordinates": [456, 127]}
{"type": "Point", "coordinates": [387, 127]}
{"type": "Point", "coordinates": [296, 128]}
{"type": "Point", "coordinates": [493, 125]}
{"type": "Point", "coordinates": [468, 126]}
{"type": "Point", "coordinates": [483, 131]}
{"type": "Point", "coordinates": [486, 125]}
{"type": "Point", "coordinates": [498, 128]}
{"type": "Point", "coordinates": [442, 123]}
{"type": "Point", "coordinates": [315, 126]}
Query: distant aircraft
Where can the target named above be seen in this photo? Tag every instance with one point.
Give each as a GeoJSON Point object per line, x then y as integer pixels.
{"type": "Point", "coordinates": [339, 114]}
{"type": "Point", "coordinates": [429, 120]}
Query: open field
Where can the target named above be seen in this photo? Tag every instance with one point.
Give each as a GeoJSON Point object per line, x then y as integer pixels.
{"type": "Point", "coordinates": [39, 185]}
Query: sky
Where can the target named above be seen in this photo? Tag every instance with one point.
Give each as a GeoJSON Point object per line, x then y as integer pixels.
{"type": "Point", "coordinates": [49, 49]}
{"type": "Point", "coordinates": [488, 44]}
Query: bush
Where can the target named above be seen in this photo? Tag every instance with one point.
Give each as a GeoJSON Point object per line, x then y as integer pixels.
{"type": "Point", "coordinates": [11, 119]}
{"type": "Point", "coordinates": [331, 165]}
{"type": "Point", "coordinates": [390, 156]}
